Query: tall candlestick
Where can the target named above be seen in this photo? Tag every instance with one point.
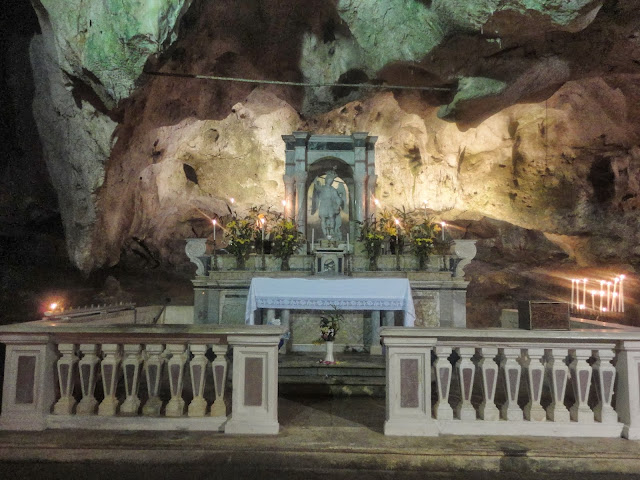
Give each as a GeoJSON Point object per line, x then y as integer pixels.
{"type": "Point", "coordinates": [614, 302]}
{"type": "Point", "coordinates": [601, 298]}
{"type": "Point", "coordinates": [347, 243]}
{"type": "Point", "coordinates": [621, 294]}
{"type": "Point", "coordinates": [214, 221]}
{"type": "Point", "coordinates": [584, 292]}
{"type": "Point", "coordinates": [608, 295]}
{"type": "Point", "coordinates": [573, 284]}
{"type": "Point", "coordinates": [593, 299]}
{"type": "Point", "coordinates": [443, 225]}
{"type": "Point", "coordinates": [313, 236]}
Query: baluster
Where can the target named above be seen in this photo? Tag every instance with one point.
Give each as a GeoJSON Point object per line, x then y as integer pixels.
{"type": "Point", "coordinates": [534, 366]}
{"type": "Point", "coordinates": [605, 376]}
{"type": "Point", "coordinates": [131, 367]}
{"type": "Point", "coordinates": [66, 363]}
{"type": "Point", "coordinates": [110, 367]}
{"type": "Point", "coordinates": [581, 381]}
{"type": "Point", "coordinates": [512, 371]}
{"type": "Point", "coordinates": [466, 373]}
{"type": "Point", "coordinates": [87, 367]}
{"type": "Point", "coordinates": [175, 366]}
{"type": "Point", "coordinates": [489, 369]}
{"type": "Point", "coordinates": [442, 367]}
{"type": "Point", "coordinates": [559, 374]}
{"type": "Point", "coordinates": [153, 363]}
{"type": "Point", "coordinates": [198, 368]}
{"type": "Point", "coordinates": [219, 367]}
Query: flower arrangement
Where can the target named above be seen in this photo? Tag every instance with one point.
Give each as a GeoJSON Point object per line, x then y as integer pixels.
{"type": "Point", "coordinates": [422, 236]}
{"type": "Point", "coordinates": [372, 235]}
{"type": "Point", "coordinates": [286, 240]}
{"type": "Point", "coordinates": [330, 324]}
{"type": "Point", "coordinates": [240, 233]}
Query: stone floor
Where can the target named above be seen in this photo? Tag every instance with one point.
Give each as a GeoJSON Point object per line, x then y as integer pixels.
{"type": "Point", "coordinates": [336, 437]}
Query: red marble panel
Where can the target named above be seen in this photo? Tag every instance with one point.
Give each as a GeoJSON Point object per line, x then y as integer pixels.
{"type": "Point", "coordinates": [25, 379]}
{"type": "Point", "coordinates": [409, 383]}
{"type": "Point", "coordinates": [253, 381]}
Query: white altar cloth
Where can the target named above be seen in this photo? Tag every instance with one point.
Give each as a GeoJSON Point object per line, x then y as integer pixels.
{"type": "Point", "coordinates": [324, 294]}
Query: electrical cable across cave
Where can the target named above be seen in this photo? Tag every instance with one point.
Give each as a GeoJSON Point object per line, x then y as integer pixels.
{"type": "Point", "coordinates": [296, 84]}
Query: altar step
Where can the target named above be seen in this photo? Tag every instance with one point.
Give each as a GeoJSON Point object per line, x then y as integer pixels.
{"type": "Point", "coordinates": [355, 374]}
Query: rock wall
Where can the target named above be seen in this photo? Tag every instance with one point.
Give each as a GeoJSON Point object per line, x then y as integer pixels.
{"type": "Point", "coordinates": [532, 120]}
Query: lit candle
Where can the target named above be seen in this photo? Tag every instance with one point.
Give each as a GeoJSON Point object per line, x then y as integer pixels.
{"type": "Point", "coordinates": [397, 230]}
{"type": "Point", "coordinates": [584, 293]}
{"type": "Point", "coordinates": [614, 302]}
{"type": "Point", "coordinates": [376, 201]}
{"type": "Point", "coordinates": [262, 221]}
{"type": "Point", "coordinates": [573, 287]}
{"type": "Point", "coordinates": [214, 221]}
{"type": "Point", "coordinates": [593, 299]}
{"type": "Point", "coordinates": [601, 298]}
{"type": "Point", "coordinates": [347, 242]}
{"type": "Point", "coordinates": [608, 295]}
{"type": "Point", "coordinates": [443, 225]}
{"type": "Point", "coordinates": [621, 294]}
{"type": "Point", "coordinates": [313, 236]}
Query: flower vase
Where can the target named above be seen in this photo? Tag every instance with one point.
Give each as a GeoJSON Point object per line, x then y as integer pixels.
{"type": "Point", "coordinates": [373, 264]}
{"type": "Point", "coordinates": [284, 266]}
{"type": "Point", "coordinates": [422, 262]}
{"type": "Point", "coordinates": [240, 263]}
{"type": "Point", "coordinates": [329, 355]}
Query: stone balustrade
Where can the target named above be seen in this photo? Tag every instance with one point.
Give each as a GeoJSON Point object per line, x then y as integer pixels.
{"type": "Point", "coordinates": [512, 382]}
{"type": "Point", "coordinates": [141, 377]}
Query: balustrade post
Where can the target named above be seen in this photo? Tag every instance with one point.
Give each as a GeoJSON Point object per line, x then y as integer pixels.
{"type": "Point", "coordinates": [66, 365]}
{"type": "Point", "coordinates": [408, 386]}
{"type": "Point", "coordinates": [87, 367]}
{"type": "Point", "coordinates": [219, 367]}
{"type": "Point", "coordinates": [511, 370]}
{"type": "Point", "coordinates": [110, 373]}
{"type": "Point", "coordinates": [489, 369]}
{"type": "Point", "coordinates": [255, 384]}
{"type": "Point", "coordinates": [628, 394]}
{"type": "Point", "coordinates": [559, 374]}
{"type": "Point", "coordinates": [131, 368]}
{"type": "Point", "coordinates": [466, 374]}
{"type": "Point", "coordinates": [28, 392]}
{"type": "Point", "coordinates": [442, 368]}
{"type": "Point", "coordinates": [198, 368]}
{"type": "Point", "coordinates": [376, 348]}
{"type": "Point", "coordinates": [153, 363]}
{"type": "Point", "coordinates": [175, 367]}
{"type": "Point", "coordinates": [534, 366]}
{"type": "Point", "coordinates": [605, 376]}
{"type": "Point", "coordinates": [581, 382]}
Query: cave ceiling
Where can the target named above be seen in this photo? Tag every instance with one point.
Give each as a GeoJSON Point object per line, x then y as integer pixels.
{"type": "Point", "coordinates": [527, 112]}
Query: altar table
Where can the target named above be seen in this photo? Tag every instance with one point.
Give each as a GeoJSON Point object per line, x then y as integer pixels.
{"type": "Point", "coordinates": [325, 294]}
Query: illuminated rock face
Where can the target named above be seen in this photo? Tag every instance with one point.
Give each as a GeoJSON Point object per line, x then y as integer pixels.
{"type": "Point", "coordinates": [536, 123]}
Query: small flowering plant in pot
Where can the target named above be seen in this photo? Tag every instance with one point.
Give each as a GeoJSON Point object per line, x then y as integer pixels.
{"type": "Point", "coordinates": [286, 240]}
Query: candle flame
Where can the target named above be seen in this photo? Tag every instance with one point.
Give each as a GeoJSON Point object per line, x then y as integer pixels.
{"type": "Point", "coordinates": [284, 203]}
{"type": "Point", "coordinates": [53, 306]}
{"type": "Point", "coordinates": [622, 277]}
{"type": "Point", "coordinates": [214, 221]}
{"type": "Point", "coordinates": [232, 200]}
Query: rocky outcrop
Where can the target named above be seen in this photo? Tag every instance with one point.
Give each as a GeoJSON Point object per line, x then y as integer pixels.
{"type": "Point", "coordinates": [528, 114]}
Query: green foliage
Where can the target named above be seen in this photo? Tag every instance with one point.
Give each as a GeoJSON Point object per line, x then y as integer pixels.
{"type": "Point", "coordinates": [330, 324]}
{"type": "Point", "coordinates": [286, 238]}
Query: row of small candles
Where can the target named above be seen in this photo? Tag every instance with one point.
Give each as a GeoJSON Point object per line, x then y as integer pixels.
{"type": "Point", "coordinates": [609, 298]}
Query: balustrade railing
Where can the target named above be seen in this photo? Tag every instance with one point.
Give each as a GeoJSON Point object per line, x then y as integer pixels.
{"type": "Point", "coordinates": [512, 382]}
{"type": "Point", "coordinates": [140, 377]}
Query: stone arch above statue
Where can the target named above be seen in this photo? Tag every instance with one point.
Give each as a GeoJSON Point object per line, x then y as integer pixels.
{"type": "Point", "coordinates": [349, 163]}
